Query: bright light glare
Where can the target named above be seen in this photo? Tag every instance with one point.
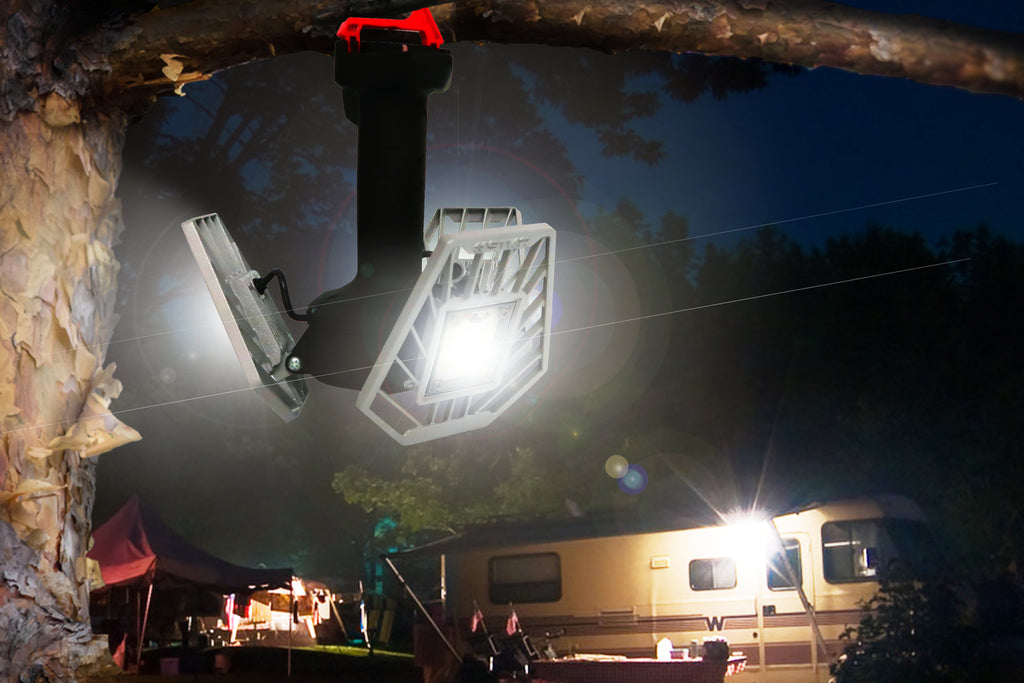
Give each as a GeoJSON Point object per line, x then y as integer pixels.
{"type": "Point", "coordinates": [471, 346]}
{"type": "Point", "coordinates": [750, 532]}
{"type": "Point", "coordinates": [427, 385]}
{"type": "Point", "coordinates": [751, 536]}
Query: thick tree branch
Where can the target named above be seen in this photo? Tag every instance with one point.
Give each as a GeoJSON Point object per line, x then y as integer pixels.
{"type": "Point", "coordinates": [168, 47]}
{"type": "Point", "coordinates": [806, 33]}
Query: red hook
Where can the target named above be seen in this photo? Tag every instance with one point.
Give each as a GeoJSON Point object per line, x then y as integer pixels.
{"type": "Point", "coordinates": [421, 21]}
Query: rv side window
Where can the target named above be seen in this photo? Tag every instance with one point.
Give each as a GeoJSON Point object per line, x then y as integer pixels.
{"type": "Point", "coordinates": [854, 551]}
{"type": "Point", "coordinates": [716, 573]}
{"type": "Point", "coordinates": [525, 578]}
{"type": "Point", "coordinates": [778, 572]}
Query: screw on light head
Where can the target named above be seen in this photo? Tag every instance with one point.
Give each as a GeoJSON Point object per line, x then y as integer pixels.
{"type": "Point", "coordinates": [294, 363]}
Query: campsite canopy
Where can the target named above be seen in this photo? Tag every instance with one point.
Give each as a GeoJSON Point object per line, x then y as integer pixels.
{"type": "Point", "coordinates": [136, 547]}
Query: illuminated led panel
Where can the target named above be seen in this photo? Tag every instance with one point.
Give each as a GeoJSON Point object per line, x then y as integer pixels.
{"type": "Point", "coordinates": [254, 324]}
{"type": "Point", "coordinates": [468, 347]}
{"type": "Point", "coordinates": [474, 334]}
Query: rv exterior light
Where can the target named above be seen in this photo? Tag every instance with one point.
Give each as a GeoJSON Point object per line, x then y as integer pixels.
{"type": "Point", "coordinates": [750, 535]}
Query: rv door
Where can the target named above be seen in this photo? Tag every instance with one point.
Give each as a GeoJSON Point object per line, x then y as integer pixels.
{"type": "Point", "coordinates": [787, 643]}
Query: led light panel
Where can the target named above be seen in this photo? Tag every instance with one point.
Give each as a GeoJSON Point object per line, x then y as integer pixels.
{"type": "Point", "coordinates": [468, 347]}
{"type": "Point", "coordinates": [474, 334]}
{"type": "Point", "coordinates": [254, 324]}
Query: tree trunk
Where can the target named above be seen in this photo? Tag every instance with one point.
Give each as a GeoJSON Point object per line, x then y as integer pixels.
{"type": "Point", "coordinates": [58, 222]}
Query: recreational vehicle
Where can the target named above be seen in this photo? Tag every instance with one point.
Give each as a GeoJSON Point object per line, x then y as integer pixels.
{"type": "Point", "coordinates": [781, 591]}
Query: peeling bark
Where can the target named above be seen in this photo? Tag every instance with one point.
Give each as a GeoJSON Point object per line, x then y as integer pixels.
{"type": "Point", "coordinates": [59, 220]}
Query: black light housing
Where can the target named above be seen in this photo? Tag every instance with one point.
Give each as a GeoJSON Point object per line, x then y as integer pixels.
{"type": "Point", "coordinates": [386, 82]}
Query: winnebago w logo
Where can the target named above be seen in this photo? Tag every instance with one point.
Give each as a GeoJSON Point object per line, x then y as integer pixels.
{"type": "Point", "coordinates": [714, 623]}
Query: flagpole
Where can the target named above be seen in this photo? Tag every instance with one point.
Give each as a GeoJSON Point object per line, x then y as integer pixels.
{"type": "Point", "coordinates": [423, 609]}
{"type": "Point", "coordinates": [142, 632]}
{"type": "Point", "coordinates": [291, 617]}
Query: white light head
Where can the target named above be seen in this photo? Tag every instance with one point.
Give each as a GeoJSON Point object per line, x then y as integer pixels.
{"type": "Point", "coordinates": [254, 324]}
{"type": "Point", "coordinates": [474, 334]}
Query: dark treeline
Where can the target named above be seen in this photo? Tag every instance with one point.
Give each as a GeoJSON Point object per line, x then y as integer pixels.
{"type": "Point", "coordinates": [885, 381]}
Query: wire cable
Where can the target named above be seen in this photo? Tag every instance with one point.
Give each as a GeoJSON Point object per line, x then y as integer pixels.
{"type": "Point", "coordinates": [688, 238]}
{"type": "Point", "coordinates": [650, 316]}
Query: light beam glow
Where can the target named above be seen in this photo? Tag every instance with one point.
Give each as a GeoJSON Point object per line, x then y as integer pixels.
{"type": "Point", "coordinates": [470, 346]}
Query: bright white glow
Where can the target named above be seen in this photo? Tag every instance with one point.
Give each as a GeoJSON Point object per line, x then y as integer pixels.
{"type": "Point", "coordinates": [254, 326]}
{"type": "Point", "coordinates": [474, 335]}
{"type": "Point", "coordinates": [752, 532]}
{"type": "Point", "coordinates": [751, 536]}
{"type": "Point", "coordinates": [470, 348]}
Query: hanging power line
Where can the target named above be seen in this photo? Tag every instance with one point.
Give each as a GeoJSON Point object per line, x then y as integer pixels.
{"type": "Point", "coordinates": [664, 243]}
{"type": "Point", "coordinates": [609, 323]}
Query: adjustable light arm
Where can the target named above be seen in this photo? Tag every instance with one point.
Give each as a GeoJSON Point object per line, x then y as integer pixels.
{"type": "Point", "coordinates": [387, 70]}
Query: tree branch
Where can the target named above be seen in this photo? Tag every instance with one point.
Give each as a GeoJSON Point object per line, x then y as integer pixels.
{"type": "Point", "coordinates": [167, 47]}
{"type": "Point", "coordinates": [806, 33]}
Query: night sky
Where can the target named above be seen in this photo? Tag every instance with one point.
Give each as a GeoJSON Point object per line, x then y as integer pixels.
{"type": "Point", "coordinates": [819, 154]}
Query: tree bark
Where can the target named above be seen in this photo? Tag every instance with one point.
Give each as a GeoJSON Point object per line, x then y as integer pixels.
{"type": "Point", "coordinates": [166, 49]}
{"type": "Point", "coordinates": [58, 222]}
{"type": "Point", "coordinates": [806, 33]}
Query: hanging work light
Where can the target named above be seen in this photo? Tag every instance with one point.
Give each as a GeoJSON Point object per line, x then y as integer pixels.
{"type": "Point", "coordinates": [472, 336]}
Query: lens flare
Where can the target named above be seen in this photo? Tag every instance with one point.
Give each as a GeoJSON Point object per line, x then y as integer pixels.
{"type": "Point", "coordinates": [616, 467]}
{"type": "Point", "coordinates": [634, 481]}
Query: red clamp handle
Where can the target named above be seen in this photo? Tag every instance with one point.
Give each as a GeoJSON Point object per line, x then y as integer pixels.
{"type": "Point", "coordinates": [421, 21]}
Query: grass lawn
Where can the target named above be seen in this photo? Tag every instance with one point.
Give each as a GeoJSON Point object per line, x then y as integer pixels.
{"type": "Point", "coordinates": [308, 665]}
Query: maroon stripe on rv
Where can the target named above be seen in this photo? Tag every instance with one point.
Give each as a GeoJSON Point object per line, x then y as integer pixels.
{"type": "Point", "coordinates": [830, 618]}
{"type": "Point", "coordinates": [787, 653]}
{"type": "Point", "coordinates": [675, 622]}
{"type": "Point", "coordinates": [698, 622]}
{"type": "Point", "coordinates": [590, 626]}
{"type": "Point", "coordinates": [751, 650]}
{"type": "Point", "coordinates": [840, 617]}
{"type": "Point", "coordinates": [786, 620]}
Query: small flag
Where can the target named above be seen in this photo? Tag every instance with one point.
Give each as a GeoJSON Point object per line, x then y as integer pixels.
{"type": "Point", "coordinates": [512, 625]}
{"type": "Point", "coordinates": [478, 618]}
{"type": "Point", "coordinates": [119, 653]}
{"type": "Point", "coordinates": [229, 609]}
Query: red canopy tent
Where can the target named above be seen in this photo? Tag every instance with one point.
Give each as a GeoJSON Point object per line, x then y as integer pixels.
{"type": "Point", "coordinates": [136, 547]}
{"type": "Point", "coordinates": [137, 550]}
